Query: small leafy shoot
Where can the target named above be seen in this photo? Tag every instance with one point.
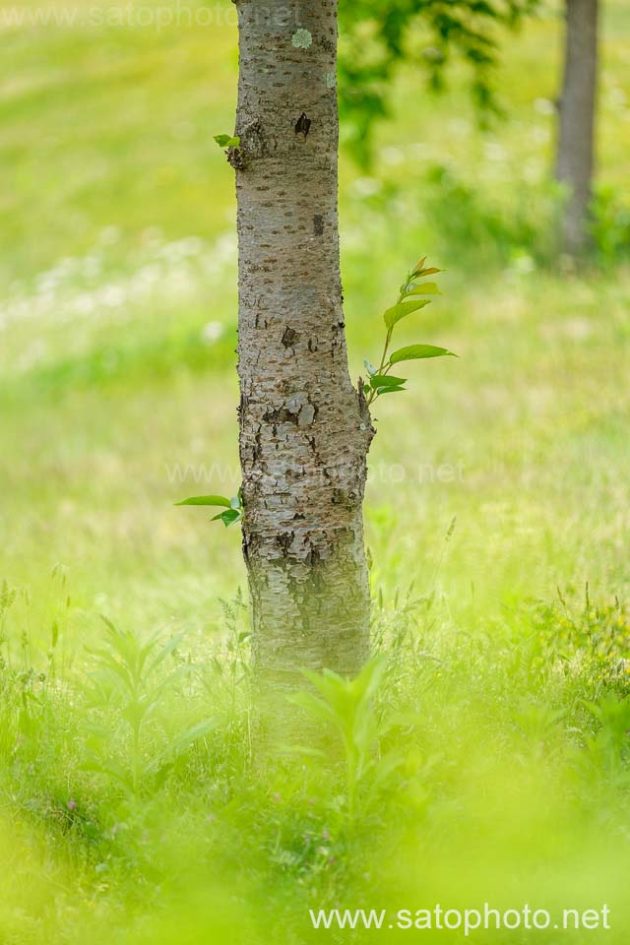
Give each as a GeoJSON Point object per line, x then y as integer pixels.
{"type": "Point", "coordinates": [228, 141]}
{"type": "Point", "coordinates": [380, 380]}
{"type": "Point", "coordinates": [233, 508]}
{"type": "Point", "coordinates": [229, 517]}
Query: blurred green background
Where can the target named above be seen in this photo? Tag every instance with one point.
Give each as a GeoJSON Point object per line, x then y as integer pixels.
{"type": "Point", "coordinates": [118, 397]}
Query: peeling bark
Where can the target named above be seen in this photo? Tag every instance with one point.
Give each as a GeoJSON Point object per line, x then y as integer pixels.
{"type": "Point", "coordinates": [304, 429]}
{"type": "Point", "coordinates": [576, 138]}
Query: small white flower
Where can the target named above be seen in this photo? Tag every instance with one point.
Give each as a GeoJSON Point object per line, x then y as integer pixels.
{"type": "Point", "coordinates": [212, 332]}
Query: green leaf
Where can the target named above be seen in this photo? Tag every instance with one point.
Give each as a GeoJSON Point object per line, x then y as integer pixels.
{"type": "Point", "coordinates": [206, 500]}
{"type": "Point", "coordinates": [229, 517]}
{"type": "Point", "coordinates": [400, 311]}
{"type": "Point", "coordinates": [228, 141]}
{"type": "Point", "coordinates": [415, 352]}
{"type": "Point", "coordinates": [432, 271]}
{"type": "Point", "coordinates": [386, 380]}
{"type": "Point", "coordinates": [424, 288]}
{"type": "Point", "coordinates": [388, 390]}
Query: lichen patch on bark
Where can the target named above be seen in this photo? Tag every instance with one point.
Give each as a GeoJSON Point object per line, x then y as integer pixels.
{"type": "Point", "coordinates": [302, 39]}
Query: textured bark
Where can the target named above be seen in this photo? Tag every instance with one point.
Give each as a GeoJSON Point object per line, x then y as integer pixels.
{"type": "Point", "coordinates": [576, 139]}
{"type": "Point", "coordinates": [304, 429]}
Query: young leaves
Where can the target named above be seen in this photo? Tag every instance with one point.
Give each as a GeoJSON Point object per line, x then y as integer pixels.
{"type": "Point", "coordinates": [229, 517]}
{"type": "Point", "coordinates": [228, 141]}
{"type": "Point", "coordinates": [415, 352]}
{"type": "Point", "coordinates": [409, 302]}
{"type": "Point", "coordinates": [393, 315]}
{"type": "Point", "coordinates": [233, 507]}
{"type": "Point", "coordinates": [386, 380]}
{"type": "Point", "coordinates": [422, 288]}
{"type": "Point", "coordinates": [386, 384]}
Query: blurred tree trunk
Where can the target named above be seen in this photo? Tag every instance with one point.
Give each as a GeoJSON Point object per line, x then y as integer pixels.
{"type": "Point", "coordinates": [304, 429]}
{"type": "Point", "coordinates": [576, 138]}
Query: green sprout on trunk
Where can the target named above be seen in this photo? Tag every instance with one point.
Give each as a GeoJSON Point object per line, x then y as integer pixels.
{"type": "Point", "coordinates": [409, 301]}
{"type": "Point", "coordinates": [233, 508]}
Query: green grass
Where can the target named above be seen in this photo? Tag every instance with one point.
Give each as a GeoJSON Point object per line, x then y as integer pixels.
{"type": "Point", "coordinates": [498, 490]}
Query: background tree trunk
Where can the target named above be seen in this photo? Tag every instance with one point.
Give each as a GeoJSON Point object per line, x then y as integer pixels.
{"type": "Point", "coordinates": [304, 429]}
{"type": "Point", "coordinates": [576, 138]}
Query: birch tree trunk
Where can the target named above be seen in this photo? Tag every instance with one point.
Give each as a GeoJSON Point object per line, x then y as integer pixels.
{"type": "Point", "coordinates": [576, 138]}
{"type": "Point", "coordinates": [304, 429]}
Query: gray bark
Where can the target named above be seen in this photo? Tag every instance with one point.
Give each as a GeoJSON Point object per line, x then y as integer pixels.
{"type": "Point", "coordinates": [304, 429]}
{"type": "Point", "coordinates": [576, 138]}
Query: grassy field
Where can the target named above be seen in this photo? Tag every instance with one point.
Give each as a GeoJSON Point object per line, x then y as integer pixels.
{"type": "Point", "coordinates": [497, 515]}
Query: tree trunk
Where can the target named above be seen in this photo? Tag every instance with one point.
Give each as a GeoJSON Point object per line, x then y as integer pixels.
{"type": "Point", "coordinates": [576, 139]}
{"type": "Point", "coordinates": [304, 429]}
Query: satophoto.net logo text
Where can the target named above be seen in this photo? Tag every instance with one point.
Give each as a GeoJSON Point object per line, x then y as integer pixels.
{"type": "Point", "coordinates": [440, 918]}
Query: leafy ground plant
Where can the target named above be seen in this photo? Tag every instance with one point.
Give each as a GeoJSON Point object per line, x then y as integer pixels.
{"type": "Point", "coordinates": [132, 677]}
{"type": "Point", "coordinates": [348, 707]}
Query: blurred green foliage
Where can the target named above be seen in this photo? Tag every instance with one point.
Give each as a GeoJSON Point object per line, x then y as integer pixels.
{"type": "Point", "coordinates": [486, 765]}
{"type": "Point", "coordinates": [379, 35]}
